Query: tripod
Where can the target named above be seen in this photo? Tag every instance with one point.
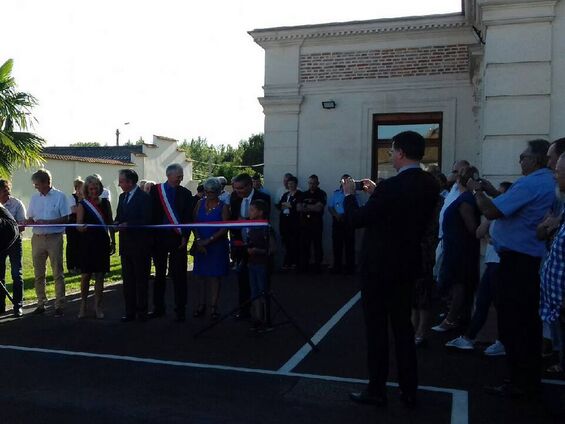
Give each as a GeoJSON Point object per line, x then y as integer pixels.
{"type": "Point", "coordinates": [6, 292]}
{"type": "Point", "coordinates": [268, 296]}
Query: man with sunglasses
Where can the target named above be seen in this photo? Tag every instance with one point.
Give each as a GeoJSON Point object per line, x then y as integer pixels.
{"type": "Point", "coordinates": [518, 213]}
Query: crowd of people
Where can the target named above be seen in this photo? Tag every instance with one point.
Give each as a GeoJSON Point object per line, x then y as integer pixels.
{"type": "Point", "coordinates": [423, 236]}
{"type": "Point", "coordinates": [521, 224]}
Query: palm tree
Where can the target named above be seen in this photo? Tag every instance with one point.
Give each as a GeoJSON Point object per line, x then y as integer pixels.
{"type": "Point", "coordinates": [17, 145]}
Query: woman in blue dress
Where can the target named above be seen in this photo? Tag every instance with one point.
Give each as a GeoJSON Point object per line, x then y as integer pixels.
{"type": "Point", "coordinates": [211, 247]}
{"type": "Point", "coordinates": [460, 266]}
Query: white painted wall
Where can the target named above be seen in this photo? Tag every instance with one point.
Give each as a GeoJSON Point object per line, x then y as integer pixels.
{"type": "Point", "coordinates": [149, 166]}
{"type": "Point", "coordinates": [63, 173]}
{"type": "Point", "coordinates": [558, 73]}
{"type": "Point", "coordinates": [522, 61]}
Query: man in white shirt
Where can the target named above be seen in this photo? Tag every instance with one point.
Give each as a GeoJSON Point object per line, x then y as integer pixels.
{"type": "Point", "coordinates": [48, 206]}
{"type": "Point", "coordinates": [14, 253]}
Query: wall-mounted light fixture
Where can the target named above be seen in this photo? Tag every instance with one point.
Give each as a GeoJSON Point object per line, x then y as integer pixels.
{"type": "Point", "coordinates": [328, 104]}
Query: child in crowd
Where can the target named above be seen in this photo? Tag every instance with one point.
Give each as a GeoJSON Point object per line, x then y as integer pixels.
{"type": "Point", "coordinates": [261, 246]}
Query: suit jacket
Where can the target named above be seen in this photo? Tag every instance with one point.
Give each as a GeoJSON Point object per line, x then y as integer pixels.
{"type": "Point", "coordinates": [395, 219]}
{"type": "Point", "coordinates": [136, 212]}
{"type": "Point", "coordinates": [183, 206]}
{"type": "Point", "coordinates": [235, 207]}
{"type": "Point", "coordinates": [8, 229]}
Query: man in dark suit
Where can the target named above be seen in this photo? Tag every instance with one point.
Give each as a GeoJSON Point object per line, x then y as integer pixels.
{"type": "Point", "coordinates": [171, 204]}
{"type": "Point", "coordinates": [134, 208]}
{"type": "Point", "coordinates": [395, 218]}
{"type": "Point", "coordinates": [242, 196]}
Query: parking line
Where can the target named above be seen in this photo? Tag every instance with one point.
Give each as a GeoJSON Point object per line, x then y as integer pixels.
{"type": "Point", "coordinates": [556, 382]}
{"type": "Point", "coordinates": [320, 334]}
{"type": "Point", "coordinates": [459, 406]}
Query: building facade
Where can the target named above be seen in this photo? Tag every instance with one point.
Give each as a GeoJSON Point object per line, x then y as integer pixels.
{"type": "Point", "coordinates": [477, 84]}
{"type": "Point", "coordinates": [66, 163]}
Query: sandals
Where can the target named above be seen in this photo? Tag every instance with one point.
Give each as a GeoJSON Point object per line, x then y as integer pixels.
{"type": "Point", "coordinates": [199, 311]}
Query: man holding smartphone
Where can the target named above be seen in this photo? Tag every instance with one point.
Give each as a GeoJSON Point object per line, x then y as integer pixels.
{"type": "Point", "coordinates": [395, 219]}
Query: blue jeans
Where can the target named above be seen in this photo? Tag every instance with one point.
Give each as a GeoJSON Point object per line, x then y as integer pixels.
{"type": "Point", "coordinates": [14, 253]}
{"type": "Point", "coordinates": [485, 296]}
{"type": "Point", "coordinates": [257, 279]}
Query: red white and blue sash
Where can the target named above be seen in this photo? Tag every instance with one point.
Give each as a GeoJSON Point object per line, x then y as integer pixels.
{"type": "Point", "coordinates": [94, 211]}
{"type": "Point", "coordinates": [167, 207]}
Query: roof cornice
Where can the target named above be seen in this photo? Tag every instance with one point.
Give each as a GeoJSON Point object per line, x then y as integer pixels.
{"type": "Point", "coordinates": [281, 35]}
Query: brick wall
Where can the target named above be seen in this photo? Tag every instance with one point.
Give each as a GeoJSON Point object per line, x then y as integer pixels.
{"type": "Point", "coordinates": [386, 63]}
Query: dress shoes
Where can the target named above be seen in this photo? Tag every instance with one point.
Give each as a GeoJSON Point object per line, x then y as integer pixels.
{"type": "Point", "coordinates": [39, 310]}
{"type": "Point", "coordinates": [18, 311]}
{"type": "Point", "coordinates": [242, 315]}
{"type": "Point", "coordinates": [507, 390]}
{"type": "Point", "coordinates": [127, 318]}
{"type": "Point", "coordinates": [157, 313]}
{"type": "Point", "coordinates": [180, 317]}
{"type": "Point", "coordinates": [59, 312]}
{"type": "Point", "coordinates": [366, 398]}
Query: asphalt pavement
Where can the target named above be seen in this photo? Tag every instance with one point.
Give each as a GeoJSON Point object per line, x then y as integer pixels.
{"type": "Point", "coordinates": [69, 370]}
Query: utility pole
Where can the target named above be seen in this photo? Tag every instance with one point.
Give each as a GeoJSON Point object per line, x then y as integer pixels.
{"type": "Point", "coordinates": [118, 134]}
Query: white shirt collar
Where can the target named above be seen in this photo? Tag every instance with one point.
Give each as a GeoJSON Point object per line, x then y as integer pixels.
{"type": "Point", "coordinates": [132, 191]}
{"type": "Point", "coordinates": [250, 195]}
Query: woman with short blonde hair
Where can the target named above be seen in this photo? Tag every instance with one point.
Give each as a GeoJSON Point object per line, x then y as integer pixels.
{"type": "Point", "coordinates": [96, 243]}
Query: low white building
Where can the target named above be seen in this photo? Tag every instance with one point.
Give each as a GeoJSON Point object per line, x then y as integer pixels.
{"type": "Point", "coordinates": [478, 84]}
{"type": "Point", "coordinates": [66, 163]}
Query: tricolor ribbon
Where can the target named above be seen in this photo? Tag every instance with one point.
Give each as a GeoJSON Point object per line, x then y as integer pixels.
{"type": "Point", "coordinates": [94, 210]}
{"type": "Point", "coordinates": [169, 211]}
{"type": "Point", "coordinates": [219, 224]}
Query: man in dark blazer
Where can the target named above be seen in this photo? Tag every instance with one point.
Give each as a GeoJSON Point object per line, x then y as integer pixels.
{"type": "Point", "coordinates": [171, 204]}
{"type": "Point", "coordinates": [134, 208]}
{"type": "Point", "coordinates": [242, 196]}
{"type": "Point", "coordinates": [395, 218]}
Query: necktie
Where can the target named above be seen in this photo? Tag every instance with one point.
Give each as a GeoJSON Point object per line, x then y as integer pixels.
{"type": "Point", "coordinates": [126, 198]}
{"type": "Point", "coordinates": [245, 208]}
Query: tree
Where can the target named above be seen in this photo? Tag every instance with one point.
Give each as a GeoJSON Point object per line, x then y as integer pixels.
{"type": "Point", "coordinates": [18, 146]}
{"type": "Point", "coordinates": [252, 151]}
{"type": "Point", "coordinates": [85, 144]}
{"type": "Point", "coordinates": [224, 160]}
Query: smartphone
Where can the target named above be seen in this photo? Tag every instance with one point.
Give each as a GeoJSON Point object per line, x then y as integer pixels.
{"type": "Point", "coordinates": [359, 185]}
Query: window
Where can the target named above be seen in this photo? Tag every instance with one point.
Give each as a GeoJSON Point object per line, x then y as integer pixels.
{"type": "Point", "coordinates": [385, 126]}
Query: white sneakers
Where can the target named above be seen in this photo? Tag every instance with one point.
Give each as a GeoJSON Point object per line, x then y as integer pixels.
{"type": "Point", "coordinates": [495, 349]}
{"type": "Point", "coordinates": [462, 343]}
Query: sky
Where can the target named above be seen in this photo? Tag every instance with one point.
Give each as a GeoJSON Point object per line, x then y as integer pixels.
{"type": "Point", "coordinates": [175, 68]}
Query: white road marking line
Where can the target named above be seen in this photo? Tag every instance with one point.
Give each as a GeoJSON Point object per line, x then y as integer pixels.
{"type": "Point", "coordinates": [320, 334]}
{"type": "Point", "coordinates": [556, 382]}
{"type": "Point", "coordinates": [459, 407]}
